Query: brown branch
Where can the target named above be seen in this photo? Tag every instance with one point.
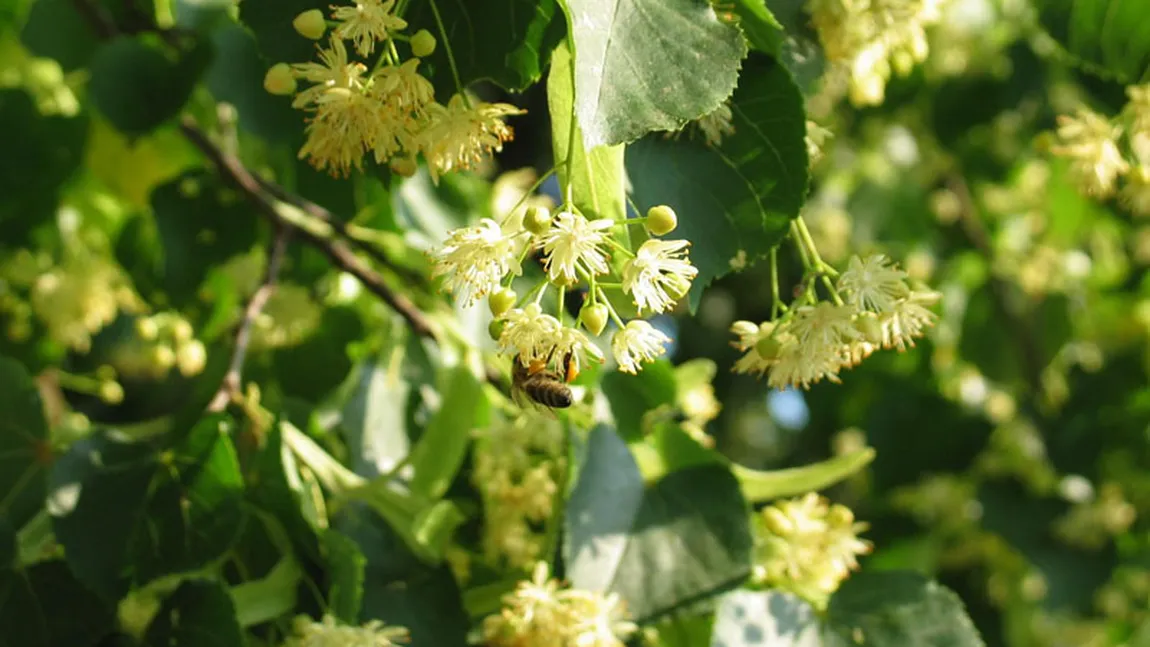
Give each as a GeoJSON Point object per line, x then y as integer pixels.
{"type": "Point", "coordinates": [322, 214]}
{"type": "Point", "coordinates": [336, 250]}
{"type": "Point", "coordinates": [231, 383]}
{"type": "Point", "coordinates": [1020, 328]}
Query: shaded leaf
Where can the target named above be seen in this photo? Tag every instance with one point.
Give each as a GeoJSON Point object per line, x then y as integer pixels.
{"type": "Point", "coordinates": [24, 451]}
{"type": "Point", "coordinates": [632, 396]}
{"type": "Point", "coordinates": [760, 26]}
{"type": "Point", "coordinates": [237, 77]}
{"type": "Point", "coordinates": [45, 606]}
{"type": "Point", "coordinates": [55, 29]}
{"type": "Point", "coordinates": [198, 614]}
{"type": "Point", "coordinates": [1108, 37]}
{"type": "Point", "coordinates": [345, 564]}
{"type": "Point", "coordinates": [662, 545]}
{"type": "Point", "coordinates": [758, 618]}
{"type": "Point", "coordinates": [439, 454]}
{"type": "Point", "coordinates": [271, 23]}
{"type": "Point", "coordinates": [646, 65]}
{"type": "Point", "coordinates": [734, 202]}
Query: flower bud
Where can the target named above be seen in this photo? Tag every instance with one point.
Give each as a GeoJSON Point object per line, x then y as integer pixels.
{"type": "Point", "coordinates": [767, 348]}
{"type": "Point", "coordinates": [661, 220]}
{"type": "Point", "coordinates": [593, 316]}
{"type": "Point", "coordinates": [279, 80]}
{"type": "Point", "coordinates": [868, 324]}
{"type": "Point", "coordinates": [163, 358]}
{"type": "Point", "coordinates": [147, 329]}
{"type": "Point", "coordinates": [501, 301]}
{"type": "Point", "coordinates": [422, 43]}
{"type": "Point", "coordinates": [677, 286]}
{"type": "Point", "coordinates": [495, 328]}
{"type": "Point", "coordinates": [192, 358]}
{"type": "Point", "coordinates": [111, 392]}
{"type": "Point", "coordinates": [182, 330]}
{"type": "Point", "coordinates": [403, 166]}
{"type": "Point", "coordinates": [537, 220]}
{"type": "Point", "coordinates": [310, 24]}
{"type": "Point", "coordinates": [777, 522]}
{"type": "Point", "coordinates": [744, 328]}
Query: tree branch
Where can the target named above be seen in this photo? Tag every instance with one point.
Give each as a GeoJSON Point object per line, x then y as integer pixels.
{"type": "Point", "coordinates": [231, 382]}
{"type": "Point", "coordinates": [336, 251]}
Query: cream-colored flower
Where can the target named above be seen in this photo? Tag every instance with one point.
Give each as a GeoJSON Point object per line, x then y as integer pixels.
{"type": "Point", "coordinates": [475, 260]}
{"type": "Point", "coordinates": [573, 341]}
{"type": "Point", "coordinates": [333, 71]}
{"type": "Point", "coordinates": [574, 244]}
{"type": "Point", "coordinates": [329, 632]}
{"type": "Point", "coordinates": [529, 333]}
{"type": "Point", "coordinates": [1135, 195]}
{"type": "Point", "coordinates": [459, 135]}
{"type": "Point", "coordinates": [402, 88]}
{"type": "Point", "coordinates": [345, 126]}
{"type": "Point", "coordinates": [366, 23]}
{"type": "Point", "coordinates": [874, 284]}
{"type": "Point", "coordinates": [801, 365]}
{"type": "Point", "coordinates": [637, 343]}
{"type": "Point", "coordinates": [716, 125]}
{"type": "Point", "coordinates": [659, 275]}
{"type": "Point", "coordinates": [1139, 109]}
{"type": "Point", "coordinates": [1089, 141]}
{"type": "Point", "coordinates": [823, 325]}
{"type": "Point", "coordinates": [908, 320]}
{"type": "Point", "coordinates": [600, 620]}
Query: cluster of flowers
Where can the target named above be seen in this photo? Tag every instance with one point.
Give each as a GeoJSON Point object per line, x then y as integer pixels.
{"type": "Point", "coordinates": [867, 39]}
{"type": "Point", "coordinates": [541, 612]}
{"type": "Point", "coordinates": [517, 463]}
{"type": "Point", "coordinates": [873, 307]}
{"type": "Point", "coordinates": [328, 631]}
{"type": "Point", "coordinates": [807, 546]}
{"type": "Point", "coordinates": [387, 110]}
{"type": "Point", "coordinates": [483, 260]}
{"type": "Point", "coordinates": [1094, 145]}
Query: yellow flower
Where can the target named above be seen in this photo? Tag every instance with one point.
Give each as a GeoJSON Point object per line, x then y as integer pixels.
{"type": "Point", "coordinates": [333, 71]}
{"type": "Point", "coordinates": [475, 260]}
{"type": "Point", "coordinates": [329, 632]}
{"type": "Point", "coordinates": [659, 275]}
{"type": "Point", "coordinates": [529, 333]}
{"type": "Point", "coordinates": [458, 136]}
{"type": "Point", "coordinates": [366, 23]}
{"type": "Point", "coordinates": [1135, 195]}
{"type": "Point", "coordinates": [574, 245]}
{"type": "Point", "coordinates": [346, 124]}
{"type": "Point", "coordinates": [873, 284]}
{"type": "Point", "coordinates": [908, 320]}
{"type": "Point", "coordinates": [1089, 141]}
{"type": "Point", "coordinates": [637, 343]}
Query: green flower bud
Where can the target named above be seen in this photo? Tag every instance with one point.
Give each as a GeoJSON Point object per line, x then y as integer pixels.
{"type": "Point", "coordinates": [777, 522]}
{"type": "Point", "coordinates": [403, 166]}
{"type": "Point", "coordinates": [422, 43]}
{"type": "Point", "coordinates": [661, 220]}
{"type": "Point", "coordinates": [162, 358]}
{"type": "Point", "coordinates": [767, 348]}
{"type": "Point", "coordinates": [677, 286]}
{"type": "Point", "coordinates": [501, 301]}
{"type": "Point", "coordinates": [147, 329]}
{"type": "Point", "coordinates": [192, 358]}
{"type": "Point", "coordinates": [280, 80]}
{"type": "Point", "coordinates": [310, 24]}
{"type": "Point", "coordinates": [868, 324]}
{"type": "Point", "coordinates": [182, 330]}
{"type": "Point", "coordinates": [495, 328]}
{"type": "Point", "coordinates": [111, 392]}
{"type": "Point", "coordinates": [594, 316]}
{"type": "Point", "coordinates": [537, 220]}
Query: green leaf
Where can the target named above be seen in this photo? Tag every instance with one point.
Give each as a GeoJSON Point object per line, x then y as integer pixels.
{"type": "Point", "coordinates": [439, 454]}
{"type": "Point", "coordinates": [894, 609]}
{"type": "Point", "coordinates": [198, 614]}
{"type": "Point", "coordinates": [760, 486]}
{"type": "Point", "coordinates": [201, 223]}
{"type": "Point", "coordinates": [138, 86]}
{"type": "Point", "coordinates": [55, 29]}
{"type": "Point", "coordinates": [24, 451]}
{"type": "Point", "coordinates": [345, 571]}
{"type": "Point", "coordinates": [597, 178]}
{"type": "Point", "coordinates": [734, 202]}
{"type": "Point", "coordinates": [505, 41]}
{"type": "Point", "coordinates": [237, 77]}
{"type": "Point", "coordinates": [1110, 38]}
{"type": "Point", "coordinates": [662, 545]}
{"type": "Point", "coordinates": [124, 512]}
{"type": "Point", "coordinates": [427, 602]}
{"type": "Point", "coordinates": [374, 417]}
{"type": "Point", "coordinates": [756, 618]}
{"type": "Point", "coordinates": [760, 26]}
{"type": "Point", "coordinates": [311, 369]}
{"type": "Point", "coordinates": [51, 149]}
{"type": "Point", "coordinates": [270, 22]}
{"type": "Point", "coordinates": [632, 396]}
{"type": "Point", "coordinates": [45, 606]}
{"type": "Point", "coordinates": [646, 65]}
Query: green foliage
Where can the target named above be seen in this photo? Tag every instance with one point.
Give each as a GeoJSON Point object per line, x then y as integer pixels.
{"type": "Point", "coordinates": [1109, 37]}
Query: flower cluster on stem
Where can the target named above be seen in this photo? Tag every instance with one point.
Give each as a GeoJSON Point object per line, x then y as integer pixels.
{"type": "Point", "coordinates": [387, 110]}
{"type": "Point", "coordinates": [482, 261]}
{"type": "Point", "coordinates": [871, 306]}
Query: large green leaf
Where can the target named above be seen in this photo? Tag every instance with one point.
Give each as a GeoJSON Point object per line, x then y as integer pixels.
{"type": "Point", "coordinates": [632, 396]}
{"type": "Point", "coordinates": [505, 41]}
{"type": "Point", "coordinates": [45, 606]}
{"type": "Point", "coordinates": [201, 224]}
{"type": "Point", "coordinates": [646, 65]}
{"type": "Point", "coordinates": [24, 451]}
{"type": "Point", "coordinates": [50, 150]}
{"type": "Point", "coordinates": [760, 26]}
{"type": "Point", "coordinates": [138, 85]}
{"type": "Point", "coordinates": [124, 512]}
{"type": "Point", "coordinates": [237, 76]}
{"type": "Point", "coordinates": [271, 22]}
{"type": "Point", "coordinates": [661, 545]}
{"type": "Point", "coordinates": [56, 30]}
{"type": "Point", "coordinates": [753, 619]}
{"type": "Point", "coordinates": [439, 454]}
{"type": "Point", "coordinates": [345, 567]}
{"type": "Point", "coordinates": [734, 202]}
{"type": "Point", "coordinates": [895, 609]}
{"type": "Point", "coordinates": [374, 417]}
{"type": "Point", "coordinates": [1109, 37]}
{"type": "Point", "coordinates": [198, 614]}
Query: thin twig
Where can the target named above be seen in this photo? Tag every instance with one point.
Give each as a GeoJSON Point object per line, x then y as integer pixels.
{"type": "Point", "coordinates": [1020, 328]}
{"type": "Point", "coordinates": [322, 214]}
{"type": "Point", "coordinates": [232, 379]}
{"type": "Point", "coordinates": [336, 250]}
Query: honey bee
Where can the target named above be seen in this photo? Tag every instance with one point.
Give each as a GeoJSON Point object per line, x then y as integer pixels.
{"type": "Point", "coordinates": [543, 385]}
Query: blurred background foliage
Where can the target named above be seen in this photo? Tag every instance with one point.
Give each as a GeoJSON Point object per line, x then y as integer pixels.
{"type": "Point", "coordinates": [1013, 445]}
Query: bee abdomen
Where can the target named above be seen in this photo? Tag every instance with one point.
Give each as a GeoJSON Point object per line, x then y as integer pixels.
{"type": "Point", "coordinates": [554, 395]}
